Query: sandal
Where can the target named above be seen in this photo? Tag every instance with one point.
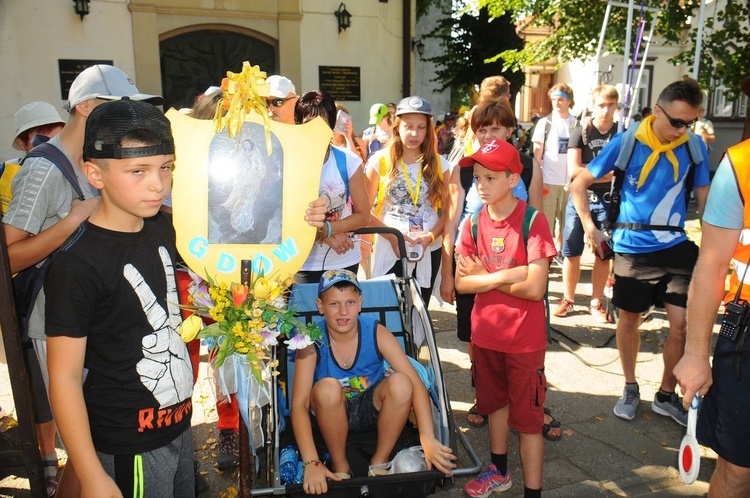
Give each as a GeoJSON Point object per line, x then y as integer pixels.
{"type": "Point", "coordinates": [473, 411]}
{"type": "Point", "coordinates": [553, 424]}
{"type": "Point", "coordinates": [50, 481]}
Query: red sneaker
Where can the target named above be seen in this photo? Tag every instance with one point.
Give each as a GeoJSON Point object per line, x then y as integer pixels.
{"type": "Point", "coordinates": [564, 307]}
{"type": "Point", "coordinates": [488, 482]}
{"type": "Point", "coordinates": [599, 313]}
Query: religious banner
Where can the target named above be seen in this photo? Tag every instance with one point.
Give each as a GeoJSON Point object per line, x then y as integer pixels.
{"type": "Point", "coordinates": [245, 197]}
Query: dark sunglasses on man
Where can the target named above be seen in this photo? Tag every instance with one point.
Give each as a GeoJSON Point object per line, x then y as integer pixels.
{"type": "Point", "coordinates": [277, 102]}
{"type": "Point", "coordinates": [678, 123]}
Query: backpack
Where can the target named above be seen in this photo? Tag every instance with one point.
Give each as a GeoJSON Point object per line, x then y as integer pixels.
{"type": "Point", "coordinates": [28, 283]}
{"type": "Point", "coordinates": [340, 157]}
{"type": "Point", "coordinates": [627, 147]}
{"type": "Point", "coordinates": [548, 128]}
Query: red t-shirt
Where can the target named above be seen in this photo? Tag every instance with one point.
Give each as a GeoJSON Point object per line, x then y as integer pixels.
{"type": "Point", "coordinates": [501, 322]}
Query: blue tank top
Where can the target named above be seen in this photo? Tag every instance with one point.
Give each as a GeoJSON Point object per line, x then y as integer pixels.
{"type": "Point", "coordinates": [367, 367]}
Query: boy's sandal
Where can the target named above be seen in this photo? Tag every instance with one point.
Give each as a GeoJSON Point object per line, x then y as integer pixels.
{"type": "Point", "coordinates": [473, 411]}
{"type": "Point", "coordinates": [553, 424]}
{"type": "Point", "coordinates": [51, 481]}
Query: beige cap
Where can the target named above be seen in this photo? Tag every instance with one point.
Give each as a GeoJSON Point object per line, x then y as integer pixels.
{"type": "Point", "coordinates": [33, 115]}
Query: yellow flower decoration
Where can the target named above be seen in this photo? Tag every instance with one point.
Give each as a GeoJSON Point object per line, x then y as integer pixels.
{"type": "Point", "coordinates": [242, 94]}
{"type": "Point", "coordinates": [190, 328]}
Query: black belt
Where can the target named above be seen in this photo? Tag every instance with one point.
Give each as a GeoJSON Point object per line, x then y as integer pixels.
{"type": "Point", "coordinates": [644, 227]}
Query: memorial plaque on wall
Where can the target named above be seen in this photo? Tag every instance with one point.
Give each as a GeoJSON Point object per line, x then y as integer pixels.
{"type": "Point", "coordinates": [70, 68]}
{"type": "Point", "coordinates": [341, 82]}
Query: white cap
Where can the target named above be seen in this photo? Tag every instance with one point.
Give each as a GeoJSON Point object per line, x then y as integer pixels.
{"type": "Point", "coordinates": [105, 82]}
{"type": "Point", "coordinates": [33, 115]}
{"type": "Point", "coordinates": [280, 87]}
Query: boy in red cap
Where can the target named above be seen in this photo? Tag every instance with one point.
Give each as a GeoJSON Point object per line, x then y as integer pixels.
{"type": "Point", "coordinates": [504, 254]}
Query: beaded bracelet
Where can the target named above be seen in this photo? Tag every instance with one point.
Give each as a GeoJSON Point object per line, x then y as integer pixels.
{"type": "Point", "coordinates": [316, 462]}
{"type": "Point", "coordinates": [330, 230]}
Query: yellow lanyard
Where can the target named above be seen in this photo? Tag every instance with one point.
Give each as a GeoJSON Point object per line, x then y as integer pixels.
{"type": "Point", "coordinates": [414, 195]}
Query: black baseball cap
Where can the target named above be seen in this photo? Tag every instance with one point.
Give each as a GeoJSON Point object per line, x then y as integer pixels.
{"type": "Point", "coordinates": [110, 122]}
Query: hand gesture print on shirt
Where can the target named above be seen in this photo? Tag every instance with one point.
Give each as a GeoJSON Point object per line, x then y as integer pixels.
{"type": "Point", "coordinates": [165, 369]}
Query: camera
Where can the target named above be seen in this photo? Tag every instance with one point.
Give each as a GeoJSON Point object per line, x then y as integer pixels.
{"type": "Point", "coordinates": [735, 318]}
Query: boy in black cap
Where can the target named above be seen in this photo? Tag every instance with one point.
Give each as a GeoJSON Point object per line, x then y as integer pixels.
{"type": "Point", "coordinates": [120, 375]}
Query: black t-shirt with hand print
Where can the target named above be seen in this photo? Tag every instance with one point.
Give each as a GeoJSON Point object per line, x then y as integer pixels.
{"type": "Point", "coordinates": [118, 291]}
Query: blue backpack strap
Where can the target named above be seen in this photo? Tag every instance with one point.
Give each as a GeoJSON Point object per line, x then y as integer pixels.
{"type": "Point", "coordinates": [340, 158]}
{"type": "Point", "coordinates": [56, 157]}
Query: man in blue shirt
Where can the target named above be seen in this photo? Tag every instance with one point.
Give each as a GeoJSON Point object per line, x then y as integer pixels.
{"type": "Point", "coordinates": [654, 259]}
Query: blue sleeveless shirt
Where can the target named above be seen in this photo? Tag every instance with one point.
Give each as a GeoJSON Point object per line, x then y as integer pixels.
{"type": "Point", "coordinates": [367, 366]}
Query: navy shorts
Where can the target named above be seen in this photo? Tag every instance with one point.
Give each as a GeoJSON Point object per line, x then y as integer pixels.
{"type": "Point", "coordinates": [725, 412]}
{"type": "Point", "coordinates": [654, 278]}
{"type": "Point", "coordinates": [573, 235]}
{"type": "Point", "coordinates": [361, 411]}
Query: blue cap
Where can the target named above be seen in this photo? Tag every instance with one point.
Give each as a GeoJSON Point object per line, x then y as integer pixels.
{"type": "Point", "coordinates": [332, 277]}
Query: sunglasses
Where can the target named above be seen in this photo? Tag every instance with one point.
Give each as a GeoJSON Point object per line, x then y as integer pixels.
{"type": "Point", "coordinates": [277, 102]}
{"type": "Point", "coordinates": [678, 123]}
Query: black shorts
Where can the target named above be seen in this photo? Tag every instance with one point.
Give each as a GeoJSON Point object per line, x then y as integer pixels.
{"type": "Point", "coordinates": [464, 306]}
{"type": "Point", "coordinates": [361, 411]}
{"type": "Point", "coordinates": [39, 399]}
{"type": "Point", "coordinates": [654, 278]}
{"type": "Point", "coordinates": [723, 417]}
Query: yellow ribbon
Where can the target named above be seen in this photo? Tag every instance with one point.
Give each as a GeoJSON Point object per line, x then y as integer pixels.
{"type": "Point", "coordinates": [645, 133]}
{"type": "Point", "coordinates": [242, 94]}
{"type": "Point", "coordinates": [414, 195]}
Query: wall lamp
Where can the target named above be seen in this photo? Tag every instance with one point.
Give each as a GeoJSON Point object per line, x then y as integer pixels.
{"type": "Point", "coordinates": [82, 7]}
{"type": "Point", "coordinates": [343, 17]}
{"type": "Point", "coordinates": [418, 46]}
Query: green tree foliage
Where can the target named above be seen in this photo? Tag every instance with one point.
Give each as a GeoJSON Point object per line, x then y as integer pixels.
{"type": "Point", "coordinates": [575, 27]}
{"type": "Point", "coordinates": [469, 39]}
{"type": "Point", "coordinates": [725, 55]}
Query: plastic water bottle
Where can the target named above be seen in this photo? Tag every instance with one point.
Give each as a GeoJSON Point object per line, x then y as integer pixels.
{"type": "Point", "coordinates": [288, 460]}
{"type": "Point", "coordinates": [300, 477]}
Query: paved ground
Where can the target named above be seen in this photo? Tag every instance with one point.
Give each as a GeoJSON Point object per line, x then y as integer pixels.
{"type": "Point", "coordinates": [599, 454]}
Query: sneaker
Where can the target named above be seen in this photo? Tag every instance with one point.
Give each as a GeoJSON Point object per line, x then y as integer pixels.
{"type": "Point", "coordinates": [609, 286]}
{"type": "Point", "coordinates": [201, 483]}
{"type": "Point", "coordinates": [343, 475]}
{"type": "Point", "coordinates": [229, 454]}
{"type": "Point", "coordinates": [628, 402]}
{"type": "Point", "coordinates": [671, 408]}
{"type": "Point", "coordinates": [564, 307]}
{"type": "Point", "coordinates": [379, 469]}
{"type": "Point", "coordinates": [599, 313]}
{"type": "Point", "coordinates": [490, 481]}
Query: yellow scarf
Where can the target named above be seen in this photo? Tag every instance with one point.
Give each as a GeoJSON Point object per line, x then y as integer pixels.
{"type": "Point", "coordinates": [645, 133]}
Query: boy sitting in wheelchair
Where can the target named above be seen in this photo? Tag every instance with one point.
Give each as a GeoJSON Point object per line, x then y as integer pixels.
{"type": "Point", "coordinates": [341, 382]}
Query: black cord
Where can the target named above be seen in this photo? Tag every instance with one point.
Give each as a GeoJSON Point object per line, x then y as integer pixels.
{"type": "Point", "coordinates": [323, 264]}
{"type": "Point", "coordinates": [580, 358]}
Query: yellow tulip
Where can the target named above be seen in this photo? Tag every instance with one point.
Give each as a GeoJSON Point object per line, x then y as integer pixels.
{"type": "Point", "coordinates": [190, 328]}
{"type": "Point", "coordinates": [264, 288]}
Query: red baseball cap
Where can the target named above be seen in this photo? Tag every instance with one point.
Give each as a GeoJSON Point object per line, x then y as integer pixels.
{"type": "Point", "coordinates": [497, 155]}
